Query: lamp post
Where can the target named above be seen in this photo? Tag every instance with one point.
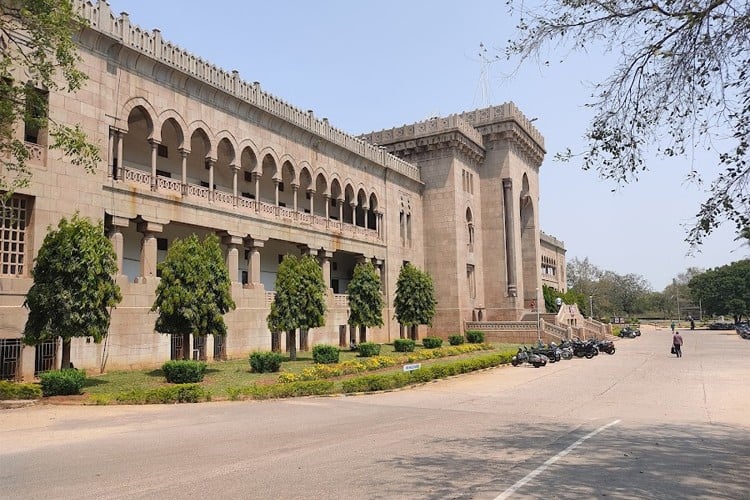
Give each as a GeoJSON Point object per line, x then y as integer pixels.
{"type": "Point", "coordinates": [538, 332]}
{"type": "Point", "coordinates": [591, 307]}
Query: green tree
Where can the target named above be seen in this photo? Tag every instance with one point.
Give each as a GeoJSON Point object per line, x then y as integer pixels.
{"type": "Point", "coordinates": [73, 290]}
{"type": "Point", "coordinates": [300, 299]}
{"type": "Point", "coordinates": [415, 298]}
{"type": "Point", "coordinates": [195, 290]}
{"type": "Point", "coordinates": [365, 299]}
{"type": "Point", "coordinates": [724, 290]}
{"type": "Point", "coordinates": [681, 83]}
{"type": "Point", "coordinates": [38, 52]}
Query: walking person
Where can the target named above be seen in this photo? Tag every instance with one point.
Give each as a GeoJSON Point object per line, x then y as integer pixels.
{"type": "Point", "coordinates": [677, 343]}
{"type": "Point", "coordinates": [672, 326]}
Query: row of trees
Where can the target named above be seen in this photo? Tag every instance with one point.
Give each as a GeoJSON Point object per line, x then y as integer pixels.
{"type": "Point", "coordinates": [693, 293]}
{"type": "Point", "coordinates": [74, 291]}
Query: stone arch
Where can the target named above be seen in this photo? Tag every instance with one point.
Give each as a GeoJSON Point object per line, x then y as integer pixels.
{"type": "Point", "coordinates": [529, 243]}
{"type": "Point", "coordinates": [348, 200]}
{"type": "Point", "coordinates": [207, 135]}
{"type": "Point", "coordinates": [136, 142]}
{"type": "Point", "coordinates": [372, 214]}
{"type": "Point", "coordinates": [200, 153]}
{"type": "Point", "coordinates": [336, 191]}
{"type": "Point", "coordinates": [170, 115]}
{"type": "Point", "coordinates": [227, 138]}
{"type": "Point", "coordinates": [469, 229]}
{"type": "Point", "coordinates": [146, 108]}
{"type": "Point", "coordinates": [269, 158]}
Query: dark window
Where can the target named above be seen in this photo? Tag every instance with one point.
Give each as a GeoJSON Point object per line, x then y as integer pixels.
{"type": "Point", "coordinates": [10, 358]}
{"type": "Point", "coordinates": [281, 257]}
{"type": "Point", "coordinates": [333, 202]}
{"type": "Point", "coordinates": [36, 112]}
{"type": "Point", "coordinates": [281, 186]}
{"type": "Point", "coordinates": [13, 222]}
{"type": "Point", "coordinates": [335, 266]}
{"type": "Point", "coordinates": [282, 204]}
{"type": "Point", "coordinates": [163, 173]}
{"type": "Point", "coordinates": [335, 286]}
{"type": "Point", "coordinates": [248, 176]}
{"type": "Point", "coordinates": [162, 150]}
{"type": "Point", "coordinates": [244, 278]}
{"type": "Point", "coordinates": [162, 244]}
{"type": "Point", "coordinates": [248, 195]}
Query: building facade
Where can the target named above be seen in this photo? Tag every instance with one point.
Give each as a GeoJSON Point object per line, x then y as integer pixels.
{"type": "Point", "coordinates": [189, 148]}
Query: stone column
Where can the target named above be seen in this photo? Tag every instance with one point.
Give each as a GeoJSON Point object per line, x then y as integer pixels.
{"type": "Point", "coordinates": [120, 163]}
{"type": "Point", "coordinates": [324, 257]}
{"type": "Point", "coordinates": [253, 261]}
{"type": "Point", "coordinates": [148, 249]}
{"type": "Point", "coordinates": [154, 148]}
{"type": "Point", "coordinates": [276, 192]}
{"type": "Point", "coordinates": [326, 199]}
{"type": "Point", "coordinates": [510, 243]}
{"type": "Point", "coordinates": [115, 236]}
{"type": "Point", "coordinates": [354, 212]}
{"type": "Point", "coordinates": [235, 171]}
{"type": "Point", "coordinates": [380, 266]}
{"type": "Point", "coordinates": [110, 153]}
{"type": "Point", "coordinates": [183, 158]}
{"type": "Point", "coordinates": [311, 193]}
{"type": "Point", "coordinates": [210, 163]}
{"type": "Point", "coordinates": [295, 190]}
{"type": "Point", "coordinates": [233, 241]}
{"type": "Point", "coordinates": [340, 203]}
{"type": "Point", "coordinates": [256, 179]}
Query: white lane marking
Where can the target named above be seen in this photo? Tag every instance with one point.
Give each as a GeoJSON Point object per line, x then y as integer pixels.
{"type": "Point", "coordinates": [531, 475]}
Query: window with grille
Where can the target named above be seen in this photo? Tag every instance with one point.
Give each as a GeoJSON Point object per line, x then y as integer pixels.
{"type": "Point", "coordinates": [13, 222]}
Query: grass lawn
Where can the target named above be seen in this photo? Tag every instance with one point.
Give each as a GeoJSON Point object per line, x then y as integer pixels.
{"type": "Point", "coordinates": [232, 374]}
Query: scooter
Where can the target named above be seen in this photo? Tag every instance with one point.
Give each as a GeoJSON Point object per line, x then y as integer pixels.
{"type": "Point", "coordinates": [524, 355]}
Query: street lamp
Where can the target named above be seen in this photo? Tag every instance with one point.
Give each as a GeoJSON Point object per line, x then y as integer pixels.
{"type": "Point", "coordinates": [591, 307]}
{"type": "Point", "coordinates": [538, 332]}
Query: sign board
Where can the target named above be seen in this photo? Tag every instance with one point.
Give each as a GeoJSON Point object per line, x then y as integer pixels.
{"type": "Point", "coordinates": [413, 366]}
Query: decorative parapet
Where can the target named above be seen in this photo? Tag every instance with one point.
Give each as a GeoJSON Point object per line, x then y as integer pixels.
{"type": "Point", "coordinates": [423, 129]}
{"type": "Point", "coordinates": [551, 240]}
{"type": "Point", "coordinates": [501, 325]}
{"type": "Point", "coordinates": [503, 112]}
{"type": "Point", "coordinates": [102, 20]}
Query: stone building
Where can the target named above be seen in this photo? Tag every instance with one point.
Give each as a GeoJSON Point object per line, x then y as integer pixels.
{"type": "Point", "coordinates": [190, 148]}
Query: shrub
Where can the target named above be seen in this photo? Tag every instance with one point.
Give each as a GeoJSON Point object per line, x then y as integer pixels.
{"type": "Point", "coordinates": [178, 393]}
{"type": "Point", "coordinates": [325, 354]}
{"type": "Point", "coordinates": [184, 371]}
{"type": "Point", "coordinates": [367, 349]}
{"type": "Point", "coordinates": [62, 382]}
{"type": "Point", "coordinates": [474, 336]}
{"type": "Point", "coordinates": [432, 342]}
{"type": "Point", "coordinates": [404, 345]}
{"type": "Point", "coordinates": [456, 339]}
{"type": "Point", "coordinates": [265, 361]}
{"type": "Point", "coordinates": [13, 390]}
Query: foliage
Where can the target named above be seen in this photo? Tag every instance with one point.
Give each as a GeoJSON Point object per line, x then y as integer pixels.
{"type": "Point", "coordinates": [415, 297]}
{"type": "Point", "coordinates": [681, 83]}
{"type": "Point", "coordinates": [195, 290]}
{"type": "Point", "coordinates": [286, 390]}
{"type": "Point", "coordinates": [570, 297]}
{"type": "Point", "coordinates": [367, 349]}
{"type": "Point", "coordinates": [365, 298]}
{"type": "Point", "coordinates": [265, 361]}
{"type": "Point", "coordinates": [456, 339]}
{"type": "Point", "coordinates": [17, 390]}
{"type": "Point", "coordinates": [184, 371]}
{"type": "Point", "coordinates": [300, 298]}
{"type": "Point", "coordinates": [369, 383]}
{"type": "Point", "coordinates": [432, 342]}
{"type": "Point", "coordinates": [474, 336]}
{"type": "Point", "coordinates": [62, 382]}
{"type": "Point", "coordinates": [724, 290]}
{"type": "Point", "coordinates": [325, 354]}
{"type": "Point", "coordinates": [38, 52]}
{"type": "Point", "coordinates": [179, 393]}
{"type": "Point", "coordinates": [404, 345]}
{"type": "Point", "coordinates": [73, 290]}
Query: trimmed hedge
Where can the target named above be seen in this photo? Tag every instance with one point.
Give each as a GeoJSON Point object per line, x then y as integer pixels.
{"type": "Point", "coordinates": [62, 382]}
{"type": "Point", "coordinates": [265, 361]}
{"type": "Point", "coordinates": [184, 371]}
{"type": "Point", "coordinates": [404, 345]}
{"type": "Point", "coordinates": [367, 349]}
{"type": "Point", "coordinates": [432, 342]}
{"type": "Point", "coordinates": [456, 339]}
{"type": "Point", "coordinates": [369, 383]}
{"type": "Point", "coordinates": [325, 354]}
{"type": "Point", "coordinates": [288, 390]}
{"type": "Point", "coordinates": [474, 336]}
{"type": "Point", "coordinates": [17, 390]}
{"type": "Point", "coordinates": [178, 393]}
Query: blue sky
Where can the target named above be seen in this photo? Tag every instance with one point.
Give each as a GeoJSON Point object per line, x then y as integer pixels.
{"type": "Point", "coordinates": [373, 65]}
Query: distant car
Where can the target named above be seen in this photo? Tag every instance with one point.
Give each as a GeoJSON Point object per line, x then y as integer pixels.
{"type": "Point", "coordinates": [721, 326]}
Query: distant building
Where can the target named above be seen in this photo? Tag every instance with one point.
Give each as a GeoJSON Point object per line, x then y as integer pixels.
{"type": "Point", "coordinates": [190, 148]}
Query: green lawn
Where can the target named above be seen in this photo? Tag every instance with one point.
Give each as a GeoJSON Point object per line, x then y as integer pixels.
{"type": "Point", "coordinates": [226, 375]}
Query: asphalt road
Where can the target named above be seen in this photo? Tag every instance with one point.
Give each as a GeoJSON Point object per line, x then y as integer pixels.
{"type": "Point", "coordinates": [639, 424]}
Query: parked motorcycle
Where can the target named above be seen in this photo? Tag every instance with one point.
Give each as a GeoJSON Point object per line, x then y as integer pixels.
{"type": "Point", "coordinates": [606, 346]}
{"type": "Point", "coordinates": [525, 355]}
{"type": "Point", "coordinates": [585, 349]}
